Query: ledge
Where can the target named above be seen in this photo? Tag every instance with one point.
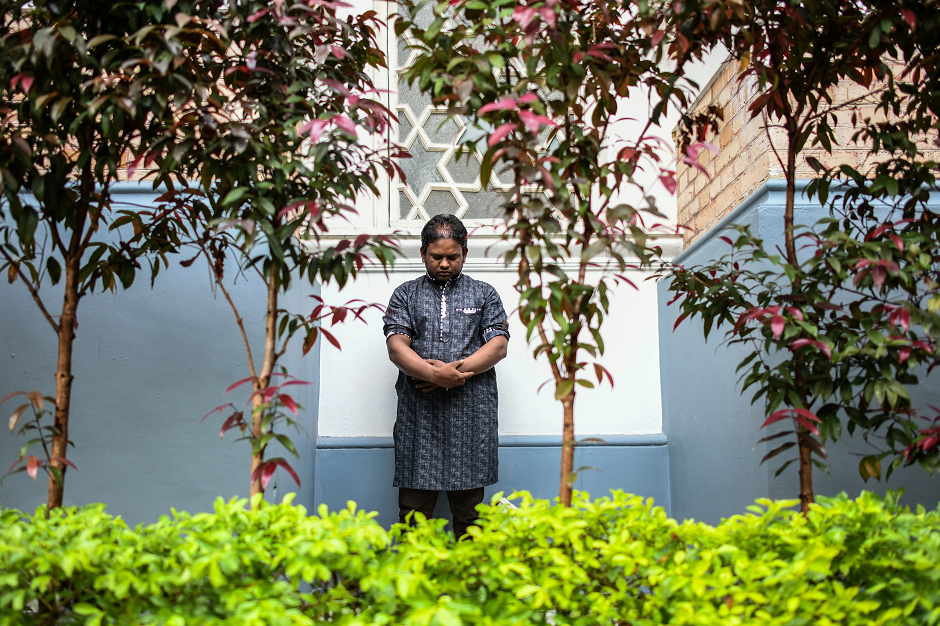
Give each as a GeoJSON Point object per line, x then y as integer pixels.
{"type": "Point", "coordinates": [507, 441]}
{"type": "Point", "coordinates": [758, 196]}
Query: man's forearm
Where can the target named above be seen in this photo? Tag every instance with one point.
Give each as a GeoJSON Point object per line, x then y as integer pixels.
{"type": "Point", "coordinates": [408, 361]}
{"type": "Point", "coordinates": [491, 353]}
{"type": "Point", "coordinates": [438, 374]}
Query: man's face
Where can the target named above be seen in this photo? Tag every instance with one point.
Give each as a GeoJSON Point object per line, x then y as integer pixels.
{"type": "Point", "coordinates": [443, 259]}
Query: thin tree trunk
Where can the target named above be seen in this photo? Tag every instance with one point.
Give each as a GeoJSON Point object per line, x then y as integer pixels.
{"type": "Point", "coordinates": [806, 465]}
{"type": "Point", "coordinates": [806, 475]}
{"type": "Point", "coordinates": [66, 333]}
{"type": "Point", "coordinates": [264, 377]}
{"type": "Point", "coordinates": [63, 380]}
{"type": "Point", "coordinates": [567, 450]}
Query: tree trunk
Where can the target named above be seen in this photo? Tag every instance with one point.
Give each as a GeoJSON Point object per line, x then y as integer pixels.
{"type": "Point", "coordinates": [806, 465]}
{"type": "Point", "coordinates": [63, 380]}
{"type": "Point", "coordinates": [264, 378]}
{"type": "Point", "coordinates": [806, 476]}
{"type": "Point", "coordinates": [567, 450]}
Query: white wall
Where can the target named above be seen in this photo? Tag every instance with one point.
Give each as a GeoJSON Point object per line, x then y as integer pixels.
{"type": "Point", "coordinates": [357, 396]}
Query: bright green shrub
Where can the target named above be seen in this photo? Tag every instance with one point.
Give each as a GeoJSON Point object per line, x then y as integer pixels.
{"type": "Point", "coordinates": [610, 561]}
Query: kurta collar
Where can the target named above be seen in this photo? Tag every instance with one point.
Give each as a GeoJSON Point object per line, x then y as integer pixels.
{"type": "Point", "coordinates": [449, 283]}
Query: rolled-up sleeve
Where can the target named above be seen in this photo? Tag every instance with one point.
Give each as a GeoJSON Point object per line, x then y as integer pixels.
{"type": "Point", "coordinates": [397, 318]}
{"type": "Point", "coordinates": [494, 320]}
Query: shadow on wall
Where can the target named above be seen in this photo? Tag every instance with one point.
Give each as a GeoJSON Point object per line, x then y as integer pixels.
{"type": "Point", "coordinates": [148, 365]}
{"type": "Point", "coordinates": [714, 462]}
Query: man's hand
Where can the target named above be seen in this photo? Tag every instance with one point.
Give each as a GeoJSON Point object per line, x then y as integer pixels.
{"type": "Point", "coordinates": [443, 375]}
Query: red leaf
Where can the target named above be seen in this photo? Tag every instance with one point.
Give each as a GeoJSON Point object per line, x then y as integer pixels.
{"type": "Point", "coordinates": [904, 354]}
{"type": "Point", "coordinates": [669, 182]}
{"type": "Point", "coordinates": [316, 129]}
{"type": "Point", "coordinates": [658, 36]}
{"type": "Point", "coordinates": [807, 414]}
{"type": "Point", "coordinates": [524, 15]}
{"type": "Point", "coordinates": [548, 14]}
{"type": "Point", "coordinates": [290, 470]}
{"type": "Point", "coordinates": [238, 384]}
{"type": "Point", "coordinates": [267, 472]}
{"type": "Point", "coordinates": [499, 134]}
{"type": "Point", "coordinates": [338, 52]}
{"type": "Point", "coordinates": [345, 123]}
{"type": "Point", "coordinates": [909, 17]}
{"type": "Point", "coordinates": [527, 98]}
{"type": "Point", "coordinates": [923, 346]}
{"type": "Point", "coordinates": [805, 423]}
{"type": "Point", "coordinates": [310, 341]}
{"type": "Point", "coordinates": [257, 15]}
{"type": "Point", "coordinates": [11, 394]}
{"type": "Point", "coordinates": [296, 382]}
{"type": "Point", "coordinates": [782, 414]}
{"type": "Point", "coordinates": [329, 337]}
{"type": "Point", "coordinates": [32, 466]}
{"type": "Point", "coordinates": [336, 86]}
{"type": "Point", "coordinates": [65, 462]}
{"type": "Point", "coordinates": [235, 419]}
{"type": "Point", "coordinates": [678, 321]}
{"type": "Point", "coordinates": [776, 325]}
{"type": "Point", "coordinates": [502, 105]}
{"type": "Point", "coordinates": [878, 275]}
{"type": "Point", "coordinates": [690, 161]}
{"type": "Point", "coordinates": [132, 167]}
{"type": "Point", "coordinates": [24, 81]}
{"type": "Point", "coordinates": [795, 312]}
{"type": "Point", "coordinates": [267, 393]}
{"type": "Point", "coordinates": [534, 122]}
{"type": "Point", "coordinates": [218, 408]}
{"type": "Point", "coordinates": [897, 241]}
{"type": "Point", "coordinates": [289, 403]}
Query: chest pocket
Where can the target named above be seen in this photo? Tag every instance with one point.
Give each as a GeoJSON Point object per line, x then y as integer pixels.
{"type": "Point", "coordinates": [465, 325]}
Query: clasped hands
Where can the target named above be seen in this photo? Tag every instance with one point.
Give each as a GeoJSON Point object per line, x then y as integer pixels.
{"type": "Point", "coordinates": [444, 375]}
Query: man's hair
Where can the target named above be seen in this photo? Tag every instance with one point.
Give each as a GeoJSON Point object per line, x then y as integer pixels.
{"type": "Point", "coordinates": [444, 226]}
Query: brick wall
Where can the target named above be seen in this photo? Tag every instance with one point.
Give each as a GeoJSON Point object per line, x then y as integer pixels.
{"type": "Point", "coordinates": [746, 158]}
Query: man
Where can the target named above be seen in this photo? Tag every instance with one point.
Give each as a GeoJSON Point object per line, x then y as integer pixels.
{"type": "Point", "coordinates": [445, 331]}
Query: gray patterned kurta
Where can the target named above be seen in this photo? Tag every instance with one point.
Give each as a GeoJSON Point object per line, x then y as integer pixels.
{"type": "Point", "coordinates": [446, 439]}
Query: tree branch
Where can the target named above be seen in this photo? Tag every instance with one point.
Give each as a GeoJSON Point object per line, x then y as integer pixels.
{"type": "Point", "coordinates": [32, 290]}
{"type": "Point", "coordinates": [238, 319]}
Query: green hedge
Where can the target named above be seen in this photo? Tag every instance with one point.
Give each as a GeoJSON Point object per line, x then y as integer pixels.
{"type": "Point", "coordinates": [614, 561]}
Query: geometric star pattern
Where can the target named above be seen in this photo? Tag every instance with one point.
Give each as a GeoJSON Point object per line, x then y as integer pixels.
{"type": "Point", "coordinates": [437, 179]}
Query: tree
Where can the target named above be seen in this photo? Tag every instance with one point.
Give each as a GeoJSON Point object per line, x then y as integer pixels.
{"type": "Point", "coordinates": [821, 348]}
{"type": "Point", "coordinates": [282, 149]}
{"type": "Point", "coordinates": [85, 88]}
{"type": "Point", "coordinates": [543, 81]}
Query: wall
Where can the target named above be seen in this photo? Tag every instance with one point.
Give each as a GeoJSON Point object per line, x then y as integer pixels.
{"type": "Point", "coordinates": [746, 156]}
{"type": "Point", "coordinates": [148, 365]}
{"type": "Point", "coordinates": [357, 401]}
{"type": "Point", "coordinates": [714, 463]}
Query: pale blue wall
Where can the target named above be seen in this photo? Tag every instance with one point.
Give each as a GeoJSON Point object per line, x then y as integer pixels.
{"type": "Point", "coordinates": [714, 463]}
{"type": "Point", "coordinates": [361, 469]}
{"type": "Point", "coordinates": [148, 365]}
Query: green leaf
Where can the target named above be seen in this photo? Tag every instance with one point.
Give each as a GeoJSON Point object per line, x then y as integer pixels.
{"type": "Point", "coordinates": [564, 388]}
{"type": "Point", "coordinates": [235, 195]}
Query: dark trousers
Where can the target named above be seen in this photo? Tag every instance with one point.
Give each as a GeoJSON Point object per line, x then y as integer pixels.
{"type": "Point", "coordinates": [462, 505]}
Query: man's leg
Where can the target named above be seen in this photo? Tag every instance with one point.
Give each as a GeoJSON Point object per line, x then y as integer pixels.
{"type": "Point", "coordinates": [463, 507]}
{"type": "Point", "coordinates": [421, 500]}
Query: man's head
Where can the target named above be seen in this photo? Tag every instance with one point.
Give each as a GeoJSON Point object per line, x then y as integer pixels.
{"type": "Point", "coordinates": [443, 247]}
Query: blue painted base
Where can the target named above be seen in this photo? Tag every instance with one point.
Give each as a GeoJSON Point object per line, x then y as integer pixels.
{"type": "Point", "coordinates": [361, 470]}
